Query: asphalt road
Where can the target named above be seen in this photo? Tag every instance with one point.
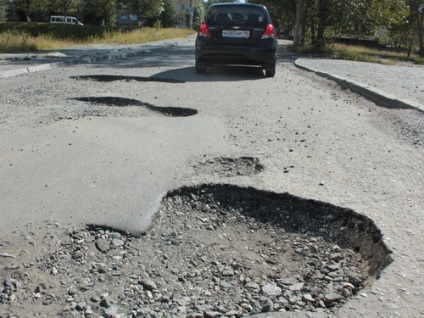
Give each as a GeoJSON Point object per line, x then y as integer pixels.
{"type": "Point", "coordinates": [72, 161]}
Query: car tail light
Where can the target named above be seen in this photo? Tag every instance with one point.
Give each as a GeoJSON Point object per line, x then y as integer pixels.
{"type": "Point", "coordinates": [269, 32]}
{"type": "Point", "coordinates": [204, 31]}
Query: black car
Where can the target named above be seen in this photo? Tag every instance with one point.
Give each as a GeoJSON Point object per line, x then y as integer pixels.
{"type": "Point", "coordinates": [239, 34]}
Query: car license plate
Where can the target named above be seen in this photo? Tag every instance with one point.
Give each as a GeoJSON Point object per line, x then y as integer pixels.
{"type": "Point", "coordinates": [238, 34]}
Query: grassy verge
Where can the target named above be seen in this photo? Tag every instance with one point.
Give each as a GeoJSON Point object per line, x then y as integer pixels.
{"type": "Point", "coordinates": [33, 37]}
{"type": "Point", "coordinates": [362, 54]}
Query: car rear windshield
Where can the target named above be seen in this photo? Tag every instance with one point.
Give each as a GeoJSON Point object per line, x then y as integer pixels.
{"type": "Point", "coordinates": [239, 15]}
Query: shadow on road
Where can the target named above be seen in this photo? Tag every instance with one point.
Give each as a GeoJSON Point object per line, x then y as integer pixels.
{"type": "Point", "coordinates": [214, 74]}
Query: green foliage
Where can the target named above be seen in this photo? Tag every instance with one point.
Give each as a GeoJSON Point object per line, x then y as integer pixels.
{"type": "Point", "coordinates": [363, 18]}
{"type": "Point", "coordinates": [33, 9]}
{"type": "Point", "coordinates": [146, 9]}
{"type": "Point", "coordinates": [353, 18]}
{"type": "Point", "coordinates": [199, 12]}
{"type": "Point", "coordinates": [101, 12]}
{"type": "Point", "coordinates": [282, 12]}
{"type": "Point", "coordinates": [158, 25]}
{"type": "Point", "coordinates": [2, 11]}
{"type": "Point", "coordinates": [65, 7]}
{"type": "Point", "coordinates": [168, 17]}
{"type": "Point", "coordinates": [410, 33]}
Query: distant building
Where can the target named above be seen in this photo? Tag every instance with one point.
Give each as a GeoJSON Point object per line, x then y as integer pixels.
{"type": "Point", "coordinates": [183, 7]}
{"type": "Point", "coordinates": [125, 18]}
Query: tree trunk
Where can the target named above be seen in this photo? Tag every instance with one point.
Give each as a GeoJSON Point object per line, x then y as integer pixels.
{"type": "Point", "coordinates": [421, 31]}
{"type": "Point", "coordinates": [313, 33]}
{"type": "Point", "coordinates": [322, 23]}
{"type": "Point", "coordinates": [297, 23]}
{"type": "Point", "coordinates": [304, 26]}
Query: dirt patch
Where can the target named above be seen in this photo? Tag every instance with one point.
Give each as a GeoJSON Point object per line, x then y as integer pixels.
{"type": "Point", "coordinates": [212, 251]}
{"type": "Point", "coordinates": [230, 167]}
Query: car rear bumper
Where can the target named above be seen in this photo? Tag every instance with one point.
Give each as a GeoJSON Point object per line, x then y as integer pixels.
{"type": "Point", "coordinates": [244, 54]}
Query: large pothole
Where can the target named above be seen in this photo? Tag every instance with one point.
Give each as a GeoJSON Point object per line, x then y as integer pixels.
{"type": "Point", "coordinates": [212, 251]}
{"type": "Point", "coordinates": [126, 102]}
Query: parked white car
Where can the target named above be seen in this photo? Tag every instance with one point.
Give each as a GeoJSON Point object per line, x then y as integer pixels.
{"type": "Point", "coordinates": [63, 19]}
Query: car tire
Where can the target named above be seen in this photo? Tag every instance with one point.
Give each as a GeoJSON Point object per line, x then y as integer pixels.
{"type": "Point", "coordinates": [200, 67]}
{"type": "Point", "coordinates": [270, 71]}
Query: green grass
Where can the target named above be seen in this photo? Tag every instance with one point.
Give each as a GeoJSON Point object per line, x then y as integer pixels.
{"type": "Point", "coordinates": [34, 37]}
{"type": "Point", "coordinates": [362, 54]}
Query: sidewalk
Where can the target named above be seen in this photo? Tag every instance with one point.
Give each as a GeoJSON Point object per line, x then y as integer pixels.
{"type": "Point", "coordinates": [390, 86]}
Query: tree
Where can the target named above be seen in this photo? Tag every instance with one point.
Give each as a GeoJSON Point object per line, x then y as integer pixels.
{"type": "Point", "coordinates": [414, 26]}
{"type": "Point", "coordinates": [297, 21]}
{"type": "Point", "coordinates": [282, 12]}
{"type": "Point", "coordinates": [320, 19]}
{"type": "Point", "coordinates": [198, 13]}
{"type": "Point", "coordinates": [421, 29]}
{"type": "Point", "coordinates": [2, 10]}
{"type": "Point", "coordinates": [408, 32]}
{"type": "Point", "coordinates": [168, 17]}
{"type": "Point", "coordinates": [102, 12]}
{"type": "Point", "coordinates": [65, 7]}
{"type": "Point", "coordinates": [365, 17]}
{"type": "Point", "coordinates": [146, 9]}
{"type": "Point", "coordinates": [32, 7]}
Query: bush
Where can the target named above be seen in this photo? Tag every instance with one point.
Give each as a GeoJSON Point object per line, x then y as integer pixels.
{"type": "Point", "coordinates": [56, 30]}
{"type": "Point", "coordinates": [11, 42]}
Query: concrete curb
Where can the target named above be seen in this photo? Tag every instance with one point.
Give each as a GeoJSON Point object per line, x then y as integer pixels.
{"type": "Point", "coordinates": [379, 97]}
{"type": "Point", "coordinates": [24, 70]}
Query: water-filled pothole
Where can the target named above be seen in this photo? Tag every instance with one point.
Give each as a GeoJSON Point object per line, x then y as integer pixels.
{"type": "Point", "coordinates": [113, 78]}
{"type": "Point", "coordinates": [125, 102]}
{"type": "Point", "coordinates": [230, 167]}
{"type": "Point", "coordinates": [212, 251]}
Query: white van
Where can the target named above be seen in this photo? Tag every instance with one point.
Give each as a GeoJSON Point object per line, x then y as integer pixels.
{"type": "Point", "coordinates": [63, 19]}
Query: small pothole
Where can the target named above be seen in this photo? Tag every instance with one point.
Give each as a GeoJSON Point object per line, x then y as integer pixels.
{"type": "Point", "coordinates": [230, 167]}
{"type": "Point", "coordinates": [114, 78]}
{"type": "Point", "coordinates": [126, 102]}
{"type": "Point", "coordinates": [212, 251]}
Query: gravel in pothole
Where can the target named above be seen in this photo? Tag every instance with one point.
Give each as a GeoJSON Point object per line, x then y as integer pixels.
{"type": "Point", "coordinates": [199, 259]}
